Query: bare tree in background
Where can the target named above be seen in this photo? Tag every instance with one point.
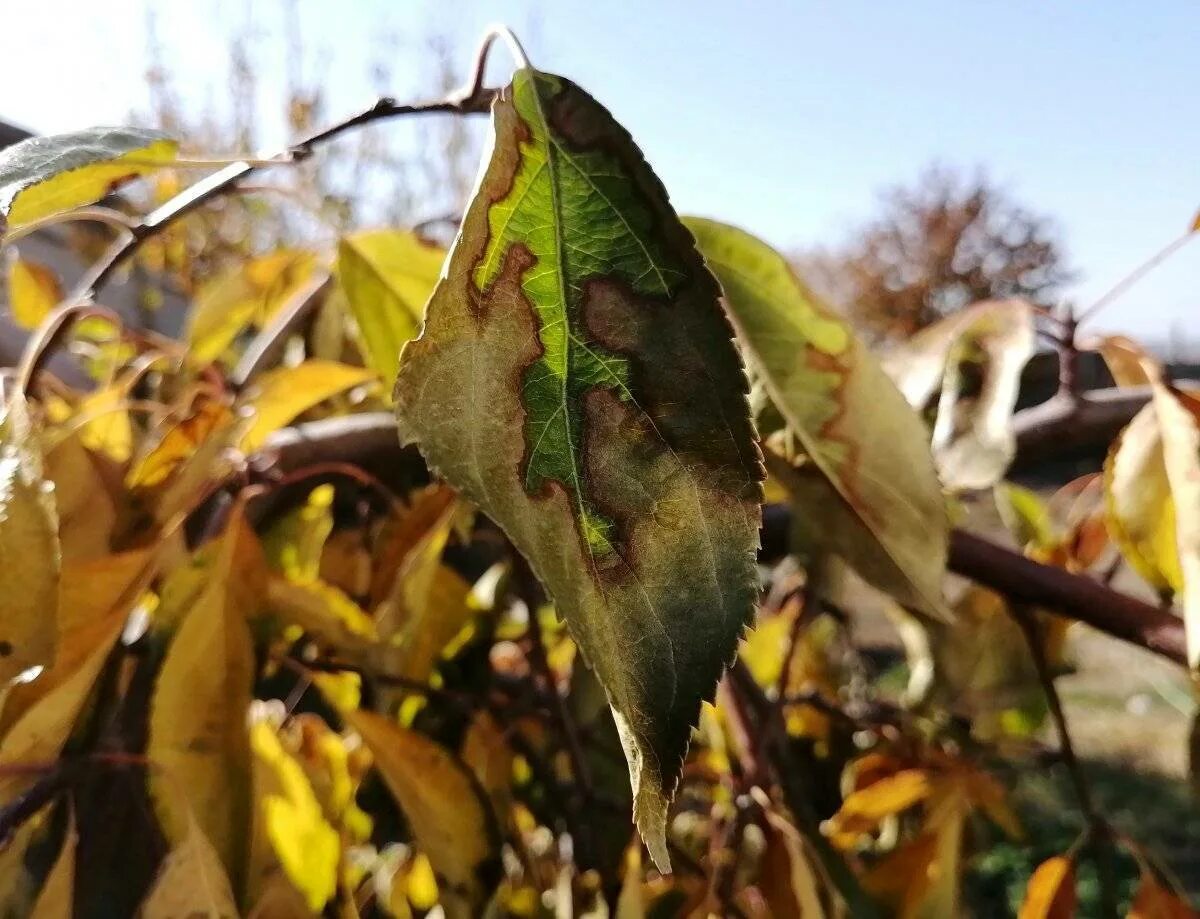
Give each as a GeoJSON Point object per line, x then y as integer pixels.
{"type": "Point", "coordinates": [938, 246]}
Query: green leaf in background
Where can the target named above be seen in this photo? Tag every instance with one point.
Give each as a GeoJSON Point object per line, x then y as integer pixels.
{"type": "Point", "coordinates": [874, 497]}
{"type": "Point", "coordinates": [43, 176]}
{"type": "Point", "coordinates": [577, 380]}
{"type": "Point", "coordinates": [973, 439]}
{"type": "Point", "coordinates": [386, 276]}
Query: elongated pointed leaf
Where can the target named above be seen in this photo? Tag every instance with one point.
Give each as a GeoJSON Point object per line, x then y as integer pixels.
{"type": "Point", "coordinates": [576, 379]}
{"type": "Point", "coordinates": [887, 516]}
{"type": "Point", "coordinates": [42, 176]}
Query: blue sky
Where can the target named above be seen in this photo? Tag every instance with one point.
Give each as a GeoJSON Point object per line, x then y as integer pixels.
{"type": "Point", "coordinates": [786, 118]}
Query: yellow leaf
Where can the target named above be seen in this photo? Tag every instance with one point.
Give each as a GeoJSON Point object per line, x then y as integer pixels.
{"type": "Point", "coordinates": [1051, 891]}
{"type": "Point", "coordinates": [87, 512]}
{"type": "Point", "coordinates": [179, 442]}
{"type": "Point", "coordinates": [439, 797]}
{"type": "Point", "coordinates": [191, 882]}
{"type": "Point", "coordinates": [29, 548]}
{"type": "Point", "coordinates": [295, 544]}
{"type": "Point", "coordinates": [323, 612]}
{"type": "Point", "coordinates": [862, 810]}
{"type": "Point", "coordinates": [1026, 516]}
{"type": "Point", "coordinates": [1125, 358]}
{"type": "Point", "coordinates": [107, 429]}
{"type": "Point", "coordinates": [38, 716]}
{"type": "Point", "coordinates": [387, 276]}
{"type": "Point", "coordinates": [43, 176]}
{"type": "Point", "coordinates": [198, 739]}
{"type": "Point", "coordinates": [33, 291]}
{"type": "Point", "coordinates": [289, 816]}
{"type": "Point", "coordinates": [283, 394]}
{"type": "Point", "coordinates": [57, 898]}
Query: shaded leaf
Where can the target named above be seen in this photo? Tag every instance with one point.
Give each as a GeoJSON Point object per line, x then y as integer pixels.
{"type": "Point", "coordinates": [42, 176]}
{"type": "Point", "coordinates": [57, 897]}
{"type": "Point", "coordinates": [191, 883]}
{"type": "Point", "coordinates": [1154, 901]}
{"type": "Point", "coordinates": [281, 395]}
{"type": "Point", "coordinates": [445, 807]}
{"type": "Point", "coordinates": [87, 511]}
{"type": "Point", "coordinates": [1051, 891]}
{"type": "Point", "coordinates": [198, 736]}
{"type": "Point", "coordinates": [323, 612]}
{"type": "Point", "coordinates": [973, 440]}
{"type": "Point", "coordinates": [386, 276]}
{"type": "Point", "coordinates": [33, 291]}
{"type": "Point", "coordinates": [790, 879]}
{"type": "Point", "coordinates": [29, 548]}
{"type": "Point", "coordinates": [1026, 516]}
{"type": "Point", "coordinates": [179, 441]}
{"type": "Point", "coordinates": [575, 378]}
{"type": "Point", "coordinates": [888, 516]}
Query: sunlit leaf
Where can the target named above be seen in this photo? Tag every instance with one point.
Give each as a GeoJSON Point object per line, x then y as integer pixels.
{"type": "Point", "coordinates": [443, 804]}
{"type": "Point", "coordinates": [33, 291]}
{"type": "Point", "coordinates": [863, 809]}
{"type": "Point", "coordinates": [307, 847]}
{"type": "Point", "coordinates": [191, 882]}
{"type": "Point", "coordinates": [885, 513]}
{"type": "Point", "coordinates": [387, 275]}
{"type": "Point", "coordinates": [575, 378]}
{"type": "Point", "coordinates": [29, 548]}
{"type": "Point", "coordinates": [973, 439]}
{"type": "Point", "coordinates": [198, 733]}
{"type": "Point", "coordinates": [1026, 516]}
{"type": "Point", "coordinates": [42, 176]}
{"type": "Point", "coordinates": [1051, 891]}
{"type": "Point", "coordinates": [281, 395]}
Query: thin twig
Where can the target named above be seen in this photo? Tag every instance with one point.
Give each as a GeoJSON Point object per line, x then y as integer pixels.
{"type": "Point", "coordinates": [1137, 274]}
{"type": "Point", "coordinates": [1098, 830]}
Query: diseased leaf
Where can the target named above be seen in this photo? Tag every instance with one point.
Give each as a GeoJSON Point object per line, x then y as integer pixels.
{"type": "Point", "coordinates": [1051, 891]}
{"type": "Point", "coordinates": [575, 378]}
{"type": "Point", "coordinates": [281, 395]}
{"type": "Point", "coordinates": [888, 517]}
{"type": "Point", "coordinates": [42, 176]}
{"type": "Point", "coordinates": [29, 548]}
{"type": "Point", "coordinates": [973, 440]}
{"type": "Point", "coordinates": [57, 897]}
{"type": "Point", "coordinates": [386, 276]}
{"type": "Point", "coordinates": [191, 883]}
{"type": "Point", "coordinates": [444, 805]}
{"type": "Point", "coordinates": [33, 291]}
{"type": "Point", "coordinates": [198, 734]}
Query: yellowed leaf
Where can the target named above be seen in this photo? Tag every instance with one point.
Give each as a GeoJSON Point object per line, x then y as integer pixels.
{"type": "Point", "coordinates": [288, 815]}
{"type": "Point", "coordinates": [323, 612]}
{"type": "Point", "coordinates": [198, 736]}
{"type": "Point", "coordinates": [87, 512]}
{"type": "Point", "coordinates": [33, 291]}
{"type": "Point", "coordinates": [439, 797]}
{"type": "Point", "coordinates": [30, 555]}
{"type": "Point", "coordinates": [862, 810]}
{"type": "Point", "coordinates": [294, 545]}
{"type": "Point", "coordinates": [386, 276]}
{"type": "Point", "coordinates": [191, 883]}
{"type": "Point", "coordinates": [281, 395]}
{"type": "Point", "coordinates": [178, 442]}
{"type": "Point", "coordinates": [1154, 901]}
{"type": "Point", "coordinates": [789, 879]}
{"type": "Point", "coordinates": [1125, 359]}
{"type": "Point", "coordinates": [38, 716]}
{"type": "Point", "coordinates": [1051, 891]}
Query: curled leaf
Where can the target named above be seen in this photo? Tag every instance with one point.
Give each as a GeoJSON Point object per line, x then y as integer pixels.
{"type": "Point", "coordinates": [576, 379]}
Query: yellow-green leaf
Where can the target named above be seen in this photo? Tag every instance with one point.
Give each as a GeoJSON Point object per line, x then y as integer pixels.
{"type": "Point", "coordinates": [281, 395]}
{"type": "Point", "coordinates": [1026, 516]}
{"type": "Point", "coordinates": [191, 882]}
{"type": "Point", "coordinates": [289, 815]}
{"type": "Point", "coordinates": [884, 512]}
{"type": "Point", "coordinates": [576, 379]}
{"type": "Point", "coordinates": [973, 439]}
{"type": "Point", "coordinates": [33, 291]}
{"type": "Point", "coordinates": [43, 176]}
{"type": "Point", "coordinates": [29, 548]}
{"type": "Point", "coordinates": [386, 276]}
{"type": "Point", "coordinates": [443, 803]}
{"type": "Point", "coordinates": [198, 733]}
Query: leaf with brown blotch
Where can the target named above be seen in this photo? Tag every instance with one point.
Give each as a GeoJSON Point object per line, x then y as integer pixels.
{"type": "Point", "coordinates": [1051, 891]}
{"type": "Point", "coordinates": [874, 497]}
{"type": "Point", "coordinates": [973, 439]}
{"type": "Point", "coordinates": [576, 379]}
{"type": "Point", "coordinates": [30, 556]}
